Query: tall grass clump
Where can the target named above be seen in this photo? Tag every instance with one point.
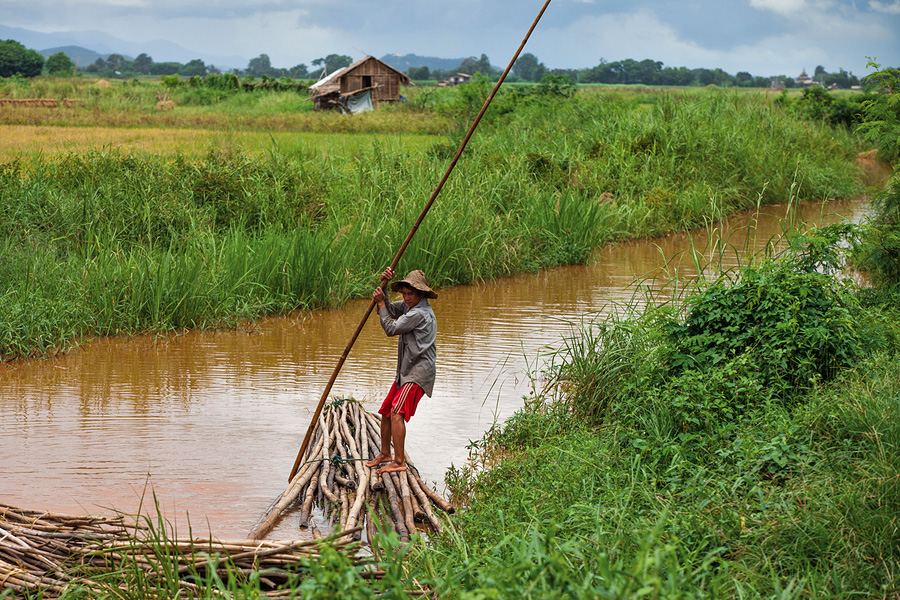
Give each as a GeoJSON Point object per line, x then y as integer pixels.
{"type": "Point", "coordinates": [679, 161]}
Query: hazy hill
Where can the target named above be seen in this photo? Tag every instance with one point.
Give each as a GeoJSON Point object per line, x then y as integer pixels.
{"type": "Point", "coordinates": [80, 56]}
{"type": "Point", "coordinates": [404, 62]}
{"type": "Point", "coordinates": [104, 45]}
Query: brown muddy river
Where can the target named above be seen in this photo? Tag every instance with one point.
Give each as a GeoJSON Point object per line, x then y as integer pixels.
{"type": "Point", "coordinates": [211, 422]}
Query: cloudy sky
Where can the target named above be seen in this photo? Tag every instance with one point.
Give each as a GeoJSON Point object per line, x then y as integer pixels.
{"type": "Point", "coordinates": [763, 37]}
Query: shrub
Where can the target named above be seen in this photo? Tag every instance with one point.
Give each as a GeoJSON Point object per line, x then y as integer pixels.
{"type": "Point", "coordinates": [795, 327]}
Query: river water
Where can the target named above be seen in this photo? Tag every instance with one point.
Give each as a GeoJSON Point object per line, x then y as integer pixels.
{"type": "Point", "coordinates": [209, 423]}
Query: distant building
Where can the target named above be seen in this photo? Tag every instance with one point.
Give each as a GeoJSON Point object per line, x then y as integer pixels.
{"type": "Point", "coordinates": [359, 87]}
{"type": "Point", "coordinates": [804, 79]}
{"type": "Point", "coordinates": [456, 79]}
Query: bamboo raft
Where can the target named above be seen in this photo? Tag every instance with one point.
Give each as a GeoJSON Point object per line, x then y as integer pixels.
{"type": "Point", "coordinates": [49, 553]}
{"type": "Point", "coordinates": [333, 476]}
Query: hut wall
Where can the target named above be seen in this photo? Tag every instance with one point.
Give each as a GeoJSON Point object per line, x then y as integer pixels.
{"type": "Point", "coordinates": [373, 73]}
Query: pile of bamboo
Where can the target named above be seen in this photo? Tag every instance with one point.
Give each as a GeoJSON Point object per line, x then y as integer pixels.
{"type": "Point", "coordinates": [333, 475]}
{"type": "Point", "coordinates": [48, 553]}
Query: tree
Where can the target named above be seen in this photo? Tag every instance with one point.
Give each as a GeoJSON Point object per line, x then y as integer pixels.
{"type": "Point", "coordinates": [419, 73]}
{"type": "Point", "coordinates": [115, 63]}
{"type": "Point", "coordinates": [165, 68]}
{"type": "Point", "coordinates": [557, 85]}
{"type": "Point", "coordinates": [16, 59]}
{"type": "Point", "coordinates": [261, 65]}
{"type": "Point", "coordinates": [143, 63]}
{"type": "Point", "coordinates": [60, 64]}
{"type": "Point", "coordinates": [743, 79]}
{"type": "Point", "coordinates": [195, 67]}
{"type": "Point", "coordinates": [300, 71]}
{"type": "Point", "coordinates": [474, 65]}
{"type": "Point", "coordinates": [528, 67]}
{"type": "Point", "coordinates": [332, 63]}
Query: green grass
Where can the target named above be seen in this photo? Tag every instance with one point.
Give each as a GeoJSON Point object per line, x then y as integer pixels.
{"type": "Point", "coordinates": [598, 489]}
{"type": "Point", "coordinates": [103, 241]}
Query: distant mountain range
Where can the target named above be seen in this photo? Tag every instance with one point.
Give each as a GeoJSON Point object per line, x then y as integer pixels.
{"type": "Point", "coordinates": [85, 47]}
{"type": "Point", "coordinates": [404, 62]}
{"type": "Point", "coordinates": [96, 44]}
{"type": "Point", "coordinates": [82, 57]}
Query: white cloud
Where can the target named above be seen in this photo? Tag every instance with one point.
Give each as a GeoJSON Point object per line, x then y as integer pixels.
{"type": "Point", "coordinates": [637, 35]}
{"type": "Point", "coordinates": [888, 9]}
{"type": "Point", "coordinates": [786, 8]}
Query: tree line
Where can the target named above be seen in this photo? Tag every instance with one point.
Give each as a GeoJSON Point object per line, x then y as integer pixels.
{"type": "Point", "coordinates": [17, 59]}
{"type": "Point", "coordinates": [646, 72]}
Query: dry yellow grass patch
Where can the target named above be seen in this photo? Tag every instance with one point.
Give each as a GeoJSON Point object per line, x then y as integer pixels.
{"type": "Point", "coordinates": [18, 140]}
{"type": "Point", "coordinates": [48, 140]}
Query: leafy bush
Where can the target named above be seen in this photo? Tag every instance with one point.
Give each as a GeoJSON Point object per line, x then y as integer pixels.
{"type": "Point", "coordinates": [789, 328]}
{"type": "Point", "coordinates": [881, 124]}
{"type": "Point", "coordinates": [879, 253]}
{"type": "Point", "coordinates": [817, 104]}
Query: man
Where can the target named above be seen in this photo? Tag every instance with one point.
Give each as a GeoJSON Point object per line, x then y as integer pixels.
{"type": "Point", "coordinates": [413, 320]}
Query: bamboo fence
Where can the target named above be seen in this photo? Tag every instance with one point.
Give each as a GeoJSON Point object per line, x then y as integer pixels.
{"type": "Point", "coordinates": [45, 554]}
{"type": "Point", "coordinates": [332, 475]}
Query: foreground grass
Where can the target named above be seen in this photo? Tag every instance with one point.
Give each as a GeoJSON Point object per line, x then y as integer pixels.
{"type": "Point", "coordinates": [638, 475]}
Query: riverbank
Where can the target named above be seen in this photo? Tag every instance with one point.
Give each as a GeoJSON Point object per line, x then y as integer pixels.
{"type": "Point", "coordinates": [740, 442]}
{"type": "Point", "coordinates": [108, 242]}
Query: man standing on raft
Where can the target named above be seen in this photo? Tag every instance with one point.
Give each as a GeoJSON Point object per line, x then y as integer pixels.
{"type": "Point", "coordinates": [413, 320]}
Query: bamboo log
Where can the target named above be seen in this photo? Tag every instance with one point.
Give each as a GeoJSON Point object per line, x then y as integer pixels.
{"type": "Point", "coordinates": [406, 499]}
{"type": "Point", "coordinates": [344, 482]}
{"type": "Point", "coordinates": [418, 512]}
{"type": "Point", "coordinates": [424, 502]}
{"type": "Point", "coordinates": [435, 497]}
{"type": "Point", "coordinates": [306, 508]}
{"type": "Point", "coordinates": [396, 511]}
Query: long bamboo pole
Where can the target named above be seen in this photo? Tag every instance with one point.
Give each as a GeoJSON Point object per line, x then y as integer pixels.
{"type": "Point", "coordinates": [412, 232]}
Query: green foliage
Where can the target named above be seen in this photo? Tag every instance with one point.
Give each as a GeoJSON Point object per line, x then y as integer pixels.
{"type": "Point", "coordinates": [170, 81]}
{"type": "Point", "coordinates": [60, 64]}
{"type": "Point", "coordinates": [786, 329]}
{"type": "Point", "coordinates": [556, 85]}
{"type": "Point", "coordinates": [697, 480]}
{"type": "Point", "coordinates": [881, 124]}
{"type": "Point", "coordinates": [817, 104]}
{"type": "Point", "coordinates": [878, 254]}
{"type": "Point", "coordinates": [232, 235]}
{"type": "Point", "coordinates": [16, 59]}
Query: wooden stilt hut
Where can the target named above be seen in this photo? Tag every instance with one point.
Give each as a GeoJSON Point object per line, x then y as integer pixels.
{"type": "Point", "coordinates": [368, 74]}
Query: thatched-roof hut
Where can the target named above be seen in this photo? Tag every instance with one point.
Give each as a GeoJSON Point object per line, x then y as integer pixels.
{"type": "Point", "coordinates": [368, 75]}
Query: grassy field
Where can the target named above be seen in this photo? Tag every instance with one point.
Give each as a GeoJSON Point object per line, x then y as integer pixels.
{"type": "Point", "coordinates": [738, 442]}
{"type": "Point", "coordinates": [171, 226]}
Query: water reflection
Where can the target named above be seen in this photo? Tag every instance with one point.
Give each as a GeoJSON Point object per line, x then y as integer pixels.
{"type": "Point", "coordinates": [211, 422]}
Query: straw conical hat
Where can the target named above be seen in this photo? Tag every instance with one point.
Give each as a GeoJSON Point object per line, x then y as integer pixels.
{"type": "Point", "coordinates": [415, 280]}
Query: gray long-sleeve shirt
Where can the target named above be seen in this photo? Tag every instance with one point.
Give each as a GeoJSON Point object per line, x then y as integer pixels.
{"type": "Point", "coordinates": [416, 351]}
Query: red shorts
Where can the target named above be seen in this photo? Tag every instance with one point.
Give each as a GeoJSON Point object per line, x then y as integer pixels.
{"type": "Point", "coordinates": [408, 396]}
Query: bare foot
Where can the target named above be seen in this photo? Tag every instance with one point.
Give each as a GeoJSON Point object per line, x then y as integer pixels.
{"type": "Point", "coordinates": [378, 460]}
{"type": "Point", "coordinates": [392, 467]}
